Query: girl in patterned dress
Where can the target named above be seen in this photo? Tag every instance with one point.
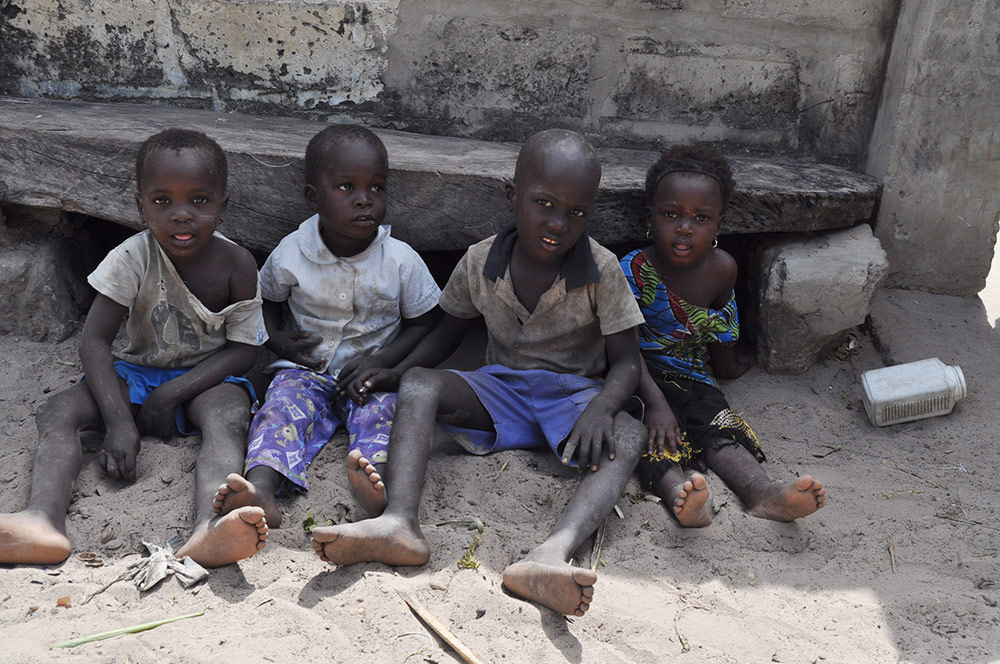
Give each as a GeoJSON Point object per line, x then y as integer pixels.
{"type": "Point", "coordinates": [683, 284]}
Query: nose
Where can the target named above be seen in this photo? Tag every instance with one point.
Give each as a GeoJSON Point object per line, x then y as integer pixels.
{"type": "Point", "coordinates": [363, 198]}
{"type": "Point", "coordinates": [180, 214]}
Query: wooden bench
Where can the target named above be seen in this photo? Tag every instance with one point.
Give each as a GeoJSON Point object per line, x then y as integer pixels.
{"type": "Point", "coordinates": [445, 193]}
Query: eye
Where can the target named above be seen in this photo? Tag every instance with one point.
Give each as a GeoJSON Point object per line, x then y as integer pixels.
{"type": "Point", "coordinates": [199, 200]}
{"type": "Point", "coordinates": [670, 214]}
{"type": "Point", "coordinates": [378, 187]}
{"type": "Point", "coordinates": [544, 202]}
{"type": "Point", "coordinates": [577, 212]}
{"type": "Point", "coordinates": [701, 217]}
{"type": "Point", "coordinates": [161, 200]}
{"type": "Point", "coordinates": [347, 186]}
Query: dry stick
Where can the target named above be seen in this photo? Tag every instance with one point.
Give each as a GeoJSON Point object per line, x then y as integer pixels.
{"type": "Point", "coordinates": [595, 554]}
{"type": "Point", "coordinates": [892, 555]}
{"type": "Point", "coordinates": [685, 646]}
{"type": "Point", "coordinates": [441, 631]}
{"type": "Point", "coordinates": [121, 577]}
{"type": "Point", "coordinates": [922, 479]}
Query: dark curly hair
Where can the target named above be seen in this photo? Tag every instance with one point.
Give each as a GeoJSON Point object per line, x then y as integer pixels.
{"type": "Point", "coordinates": [180, 139]}
{"type": "Point", "coordinates": [322, 147]}
{"type": "Point", "coordinates": [691, 159]}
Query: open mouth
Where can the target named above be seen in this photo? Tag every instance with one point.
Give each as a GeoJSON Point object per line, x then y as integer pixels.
{"type": "Point", "coordinates": [183, 237]}
{"type": "Point", "coordinates": [550, 243]}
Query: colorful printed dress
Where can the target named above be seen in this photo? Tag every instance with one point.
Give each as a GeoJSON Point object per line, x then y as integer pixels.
{"type": "Point", "coordinates": [674, 342]}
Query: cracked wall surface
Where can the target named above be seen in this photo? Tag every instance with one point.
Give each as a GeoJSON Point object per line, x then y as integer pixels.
{"type": "Point", "coordinates": [770, 75]}
{"type": "Point", "coordinates": [228, 55]}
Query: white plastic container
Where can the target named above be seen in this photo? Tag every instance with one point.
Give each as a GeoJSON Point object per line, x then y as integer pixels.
{"type": "Point", "coordinates": [912, 391]}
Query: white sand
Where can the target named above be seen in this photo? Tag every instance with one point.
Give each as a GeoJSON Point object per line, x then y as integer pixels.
{"type": "Point", "coordinates": [741, 590]}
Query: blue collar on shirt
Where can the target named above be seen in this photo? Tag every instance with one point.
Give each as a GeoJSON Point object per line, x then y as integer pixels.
{"type": "Point", "coordinates": [579, 267]}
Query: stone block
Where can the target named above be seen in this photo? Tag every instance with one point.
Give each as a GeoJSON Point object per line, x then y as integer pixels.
{"type": "Point", "coordinates": [446, 193]}
{"type": "Point", "coordinates": [811, 290]}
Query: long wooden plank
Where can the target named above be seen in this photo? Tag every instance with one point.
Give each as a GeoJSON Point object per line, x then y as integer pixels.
{"type": "Point", "coordinates": [445, 193]}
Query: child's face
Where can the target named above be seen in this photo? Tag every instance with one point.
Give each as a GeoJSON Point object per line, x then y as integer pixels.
{"type": "Point", "coordinates": [687, 212]}
{"type": "Point", "coordinates": [181, 200]}
{"type": "Point", "coordinates": [551, 202]}
{"type": "Point", "coordinates": [350, 197]}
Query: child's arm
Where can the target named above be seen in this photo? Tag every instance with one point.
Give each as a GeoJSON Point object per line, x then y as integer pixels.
{"type": "Point", "coordinates": [659, 416]}
{"type": "Point", "coordinates": [291, 345]}
{"type": "Point", "coordinates": [121, 441]}
{"type": "Point", "coordinates": [594, 427]}
{"type": "Point", "coordinates": [723, 357]}
{"type": "Point", "coordinates": [726, 362]}
{"type": "Point", "coordinates": [413, 330]}
{"type": "Point", "coordinates": [431, 351]}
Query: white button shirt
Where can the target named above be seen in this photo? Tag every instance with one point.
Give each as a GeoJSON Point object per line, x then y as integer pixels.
{"type": "Point", "coordinates": [356, 304]}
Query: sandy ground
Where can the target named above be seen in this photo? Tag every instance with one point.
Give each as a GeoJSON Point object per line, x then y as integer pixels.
{"type": "Point", "coordinates": [900, 566]}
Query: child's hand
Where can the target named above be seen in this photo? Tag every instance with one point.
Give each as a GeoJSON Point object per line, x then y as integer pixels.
{"type": "Point", "coordinates": [663, 430]}
{"type": "Point", "coordinates": [158, 414]}
{"type": "Point", "coordinates": [294, 345]}
{"type": "Point", "coordinates": [347, 379]}
{"type": "Point", "coordinates": [367, 381]}
{"type": "Point", "coordinates": [121, 447]}
{"type": "Point", "coordinates": [593, 429]}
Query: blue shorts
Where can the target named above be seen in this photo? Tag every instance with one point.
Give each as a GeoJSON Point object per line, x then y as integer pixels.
{"type": "Point", "coordinates": [529, 408]}
{"type": "Point", "coordinates": [143, 380]}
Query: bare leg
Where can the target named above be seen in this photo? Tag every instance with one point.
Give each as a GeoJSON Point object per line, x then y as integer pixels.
{"type": "Point", "coordinates": [257, 489]}
{"type": "Point", "coordinates": [395, 538]}
{"type": "Point", "coordinates": [686, 496]}
{"type": "Point", "coordinates": [764, 497]}
{"type": "Point", "coordinates": [222, 413]}
{"type": "Point", "coordinates": [37, 534]}
{"type": "Point", "coordinates": [545, 576]}
{"type": "Point", "coordinates": [365, 479]}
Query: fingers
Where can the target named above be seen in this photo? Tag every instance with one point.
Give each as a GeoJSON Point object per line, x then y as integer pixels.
{"type": "Point", "coordinates": [569, 448]}
{"type": "Point", "coordinates": [347, 374]}
{"type": "Point", "coordinates": [673, 438]}
{"type": "Point", "coordinates": [119, 466]}
{"type": "Point", "coordinates": [126, 467]}
{"type": "Point", "coordinates": [110, 466]}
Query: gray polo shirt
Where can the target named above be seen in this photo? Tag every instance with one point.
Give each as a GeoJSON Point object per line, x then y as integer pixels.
{"type": "Point", "coordinates": [565, 333]}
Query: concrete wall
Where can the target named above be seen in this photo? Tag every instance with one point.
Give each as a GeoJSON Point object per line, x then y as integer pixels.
{"type": "Point", "coordinates": [936, 146]}
{"type": "Point", "coordinates": [772, 75]}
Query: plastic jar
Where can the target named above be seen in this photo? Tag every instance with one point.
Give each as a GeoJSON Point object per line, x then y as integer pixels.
{"type": "Point", "coordinates": [912, 391]}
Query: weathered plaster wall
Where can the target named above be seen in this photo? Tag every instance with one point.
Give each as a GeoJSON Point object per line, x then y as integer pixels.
{"type": "Point", "coordinates": [232, 55]}
{"type": "Point", "coordinates": [772, 75]}
{"type": "Point", "coordinates": [936, 146]}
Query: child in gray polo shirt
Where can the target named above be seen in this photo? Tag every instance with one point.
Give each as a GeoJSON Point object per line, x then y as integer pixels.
{"type": "Point", "coordinates": [563, 358]}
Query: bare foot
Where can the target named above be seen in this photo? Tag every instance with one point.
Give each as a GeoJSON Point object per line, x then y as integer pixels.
{"type": "Point", "coordinates": [366, 482]}
{"type": "Point", "coordinates": [691, 503]}
{"type": "Point", "coordinates": [382, 540]}
{"type": "Point", "coordinates": [227, 538]}
{"type": "Point", "coordinates": [239, 492]}
{"type": "Point", "coordinates": [556, 585]}
{"type": "Point", "coordinates": [787, 503]}
{"type": "Point", "coordinates": [29, 538]}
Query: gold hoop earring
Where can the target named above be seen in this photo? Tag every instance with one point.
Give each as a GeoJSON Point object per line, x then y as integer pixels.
{"type": "Point", "coordinates": [649, 233]}
{"type": "Point", "coordinates": [715, 243]}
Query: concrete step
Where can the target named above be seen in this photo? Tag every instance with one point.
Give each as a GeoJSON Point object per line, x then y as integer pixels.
{"type": "Point", "coordinates": [445, 193]}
